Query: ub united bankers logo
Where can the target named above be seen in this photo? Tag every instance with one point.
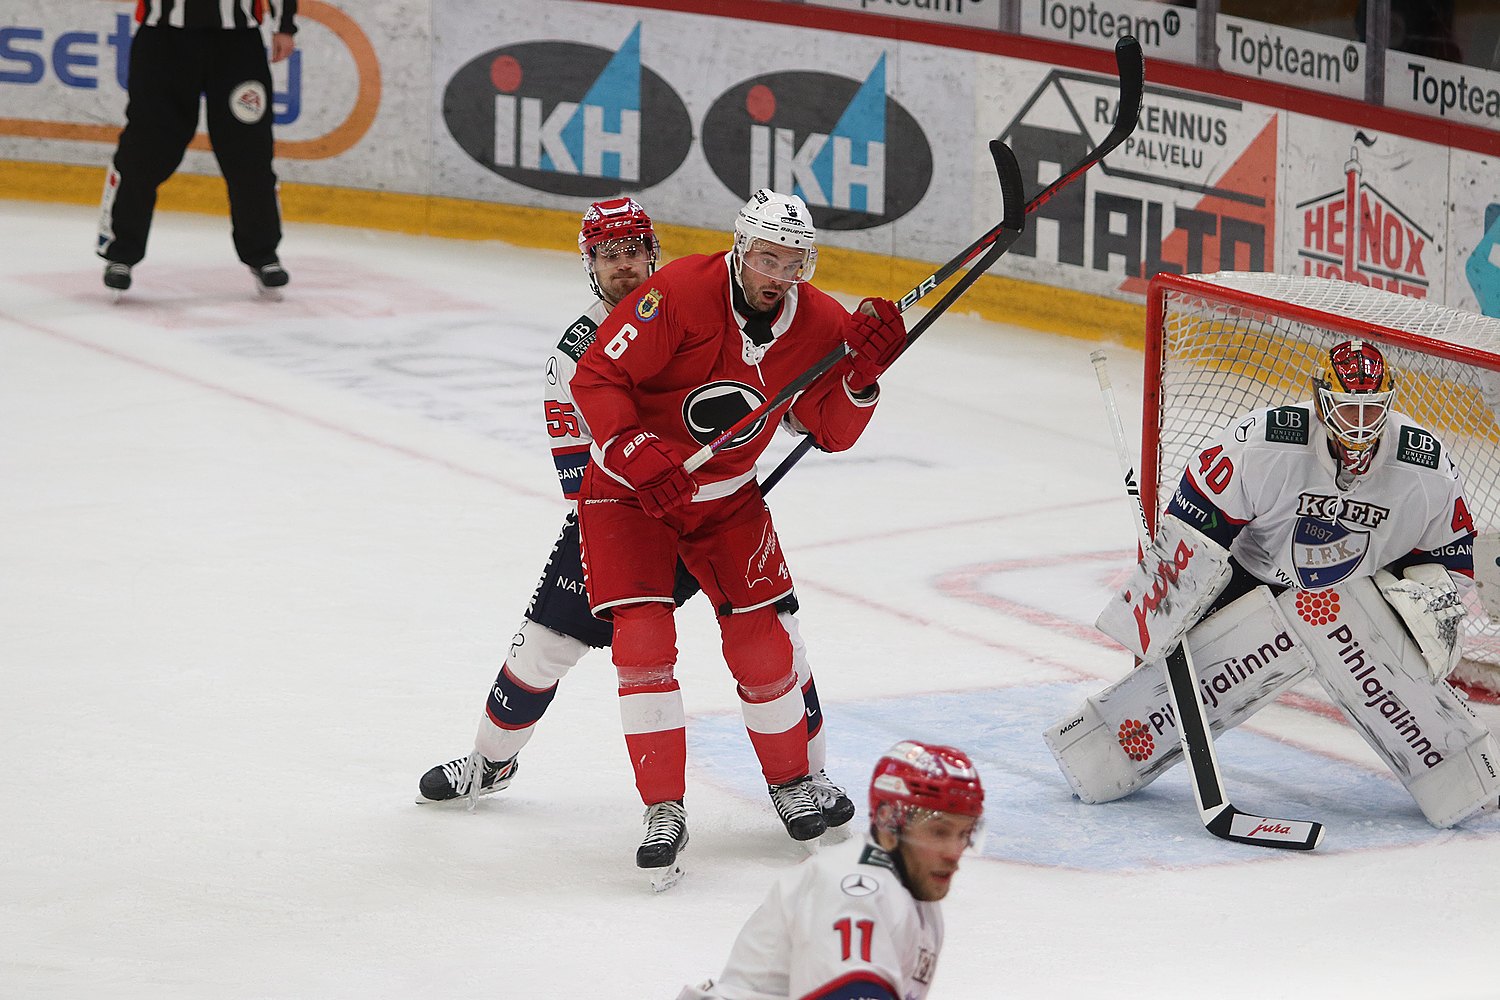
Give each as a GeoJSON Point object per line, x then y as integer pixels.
{"type": "Point", "coordinates": [712, 409]}
{"type": "Point", "coordinates": [568, 118]}
{"type": "Point", "coordinates": [824, 138]}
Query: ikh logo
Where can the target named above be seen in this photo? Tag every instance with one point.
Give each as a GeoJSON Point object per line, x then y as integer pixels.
{"type": "Point", "coordinates": [1356, 234]}
{"type": "Point", "coordinates": [710, 410]}
{"type": "Point", "coordinates": [824, 138]}
{"type": "Point", "coordinates": [568, 118]}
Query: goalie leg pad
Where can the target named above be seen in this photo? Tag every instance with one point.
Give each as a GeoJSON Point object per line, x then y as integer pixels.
{"type": "Point", "coordinates": [1127, 734]}
{"type": "Point", "coordinates": [1376, 674]}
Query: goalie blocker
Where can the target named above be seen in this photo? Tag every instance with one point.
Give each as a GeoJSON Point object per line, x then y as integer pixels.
{"type": "Point", "coordinates": [1258, 646]}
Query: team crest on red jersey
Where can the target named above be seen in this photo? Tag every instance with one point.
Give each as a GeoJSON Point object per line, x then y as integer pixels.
{"type": "Point", "coordinates": [650, 303]}
{"type": "Point", "coordinates": [711, 409]}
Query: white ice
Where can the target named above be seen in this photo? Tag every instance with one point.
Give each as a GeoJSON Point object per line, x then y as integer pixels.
{"type": "Point", "coordinates": [259, 563]}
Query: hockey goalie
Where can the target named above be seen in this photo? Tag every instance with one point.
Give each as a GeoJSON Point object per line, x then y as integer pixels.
{"type": "Point", "coordinates": [1328, 537]}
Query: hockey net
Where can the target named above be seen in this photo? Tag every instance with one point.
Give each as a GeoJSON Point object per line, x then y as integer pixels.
{"type": "Point", "coordinates": [1218, 345]}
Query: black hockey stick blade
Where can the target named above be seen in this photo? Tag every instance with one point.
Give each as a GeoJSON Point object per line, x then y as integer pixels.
{"type": "Point", "coordinates": [1132, 69]}
{"type": "Point", "coordinates": [1218, 814]}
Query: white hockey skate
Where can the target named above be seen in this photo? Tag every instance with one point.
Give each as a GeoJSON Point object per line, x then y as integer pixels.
{"type": "Point", "coordinates": [666, 837]}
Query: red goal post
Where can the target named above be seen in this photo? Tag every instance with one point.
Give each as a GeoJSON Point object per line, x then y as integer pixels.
{"type": "Point", "coordinates": [1219, 345]}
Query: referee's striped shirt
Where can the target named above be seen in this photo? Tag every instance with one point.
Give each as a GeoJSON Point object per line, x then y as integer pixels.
{"type": "Point", "coordinates": [216, 13]}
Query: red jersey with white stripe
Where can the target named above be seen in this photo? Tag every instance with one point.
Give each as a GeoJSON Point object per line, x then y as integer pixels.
{"type": "Point", "coordinates": [674, 358]}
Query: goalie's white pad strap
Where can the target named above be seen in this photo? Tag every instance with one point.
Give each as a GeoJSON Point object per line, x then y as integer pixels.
{"type": "Point", "coordinates": [1423, 731]}
{"type": "Point", "coordinates": [1127, 734]}
{"type": "Point", "coordinates": [1429, 604]}
{"type": "Point", "coordinates": [1168, 592]}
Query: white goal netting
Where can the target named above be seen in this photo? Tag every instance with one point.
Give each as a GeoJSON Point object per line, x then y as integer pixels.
{"type": "Point", "coordinates": [1218, 345]}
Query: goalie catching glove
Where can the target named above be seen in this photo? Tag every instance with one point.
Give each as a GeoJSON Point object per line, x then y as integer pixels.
{"type": "Point", "coordinates": [1172, 587]}
{"type": "Point", "coordinates": [876, 335]}
{"type": "Point", "coordinates": [1429, 604]}
{"type": "Point", "coordinates": [659, 480]}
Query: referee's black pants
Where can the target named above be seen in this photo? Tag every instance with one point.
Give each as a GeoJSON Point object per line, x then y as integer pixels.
{"type": "Point", "coordinates": [170, 68]}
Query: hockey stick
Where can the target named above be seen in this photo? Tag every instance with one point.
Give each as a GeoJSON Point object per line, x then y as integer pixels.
{"type": "Point", "coordinates": [1132, 69]}
{"type": "Point", "coordinates": [1218, 814]}
{"type": "Point", "coordinates": [998, 240]}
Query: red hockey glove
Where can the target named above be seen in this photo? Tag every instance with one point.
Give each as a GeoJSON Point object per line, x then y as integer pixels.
{"type": "Point", "coordinates": [657, 478]}
{"type": "Point", "coordinates": [875, 341]}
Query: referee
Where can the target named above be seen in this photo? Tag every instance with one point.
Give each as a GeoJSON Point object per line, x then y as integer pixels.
{"type": "Point", "coordinates": [184, 50]}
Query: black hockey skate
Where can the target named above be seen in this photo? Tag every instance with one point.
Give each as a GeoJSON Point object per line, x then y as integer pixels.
{"type": "Point", "coordinates": [798, 809]}
{"type": "Point", "coordinates": [454, 779]}
{"type": "Point", "coordinates": [835, 805]}
{"type": "Point", "coordinates": [666, 836]}
{"type": "Point", "coordinates": [270, 279]}
{"type": "Point", "coordinates": [116, 277]}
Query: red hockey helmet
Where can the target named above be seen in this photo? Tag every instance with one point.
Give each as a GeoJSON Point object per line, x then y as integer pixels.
{"type": "Point", "coordinates": [914, 776]}
{"type": "Point", "coordinates": [616, 219]}
{"type": "Point", "coordinates": [1354, 393]}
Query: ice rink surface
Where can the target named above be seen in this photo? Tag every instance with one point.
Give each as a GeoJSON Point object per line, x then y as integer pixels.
{"type": "Point", "coordinates": [260, 562]}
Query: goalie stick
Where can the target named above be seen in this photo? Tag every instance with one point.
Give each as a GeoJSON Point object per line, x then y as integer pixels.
{"type": "Point", "coordinates": [1218, 814]}
{"type": "Point", "coordinates": [1132, 71]}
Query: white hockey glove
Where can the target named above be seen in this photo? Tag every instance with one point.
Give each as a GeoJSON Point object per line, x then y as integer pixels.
{"type": "Point", "coordinates": [1430, 605]}
{"type": "Point", "coordinates": [1180, 576]}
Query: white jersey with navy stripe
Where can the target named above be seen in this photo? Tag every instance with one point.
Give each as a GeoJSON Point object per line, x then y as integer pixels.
{"type": "Point", "coordinates": [1272, 476]}
{"type": "Point", "coordinates": [841, 924]}
{"type": "Point", "coordinates": [567, 432]}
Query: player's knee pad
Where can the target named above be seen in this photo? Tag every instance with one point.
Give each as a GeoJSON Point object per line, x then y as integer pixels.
{"type": "Point", "coordinates": [539, 657]}
{"type": "Point", "coordinates": [1126, 735]}
{"type": "Point", "coordinates": [759, 653]}
{"type": "Point", "coordinates": [645, 643]}
{"type": "Point", "coordinates": [1376, 674]}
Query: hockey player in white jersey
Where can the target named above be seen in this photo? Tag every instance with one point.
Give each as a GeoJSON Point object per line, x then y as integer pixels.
{"type": "Point", "coordinates": [864, 920]}
{"type": "Point", "coordinates": [1345, 528]}
{"type": "Point", "coordinates": [619, 250]}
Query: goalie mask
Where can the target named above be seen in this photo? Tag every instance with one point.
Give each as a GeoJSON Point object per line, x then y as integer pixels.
{"type": "Point", "coordinates": [1354, 392]}
{"type": "Point", "coordinates": [614, 228]}
{"type": "Point", "coordinates": [774, 237]}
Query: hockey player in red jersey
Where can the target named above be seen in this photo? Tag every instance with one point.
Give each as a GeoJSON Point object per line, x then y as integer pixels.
{"type": "Point", "coordinates": [695, 348]}
{"type": "Point", "coordinates": [865, 920]}
{"type": "Point", "coordinates": [619, 250]}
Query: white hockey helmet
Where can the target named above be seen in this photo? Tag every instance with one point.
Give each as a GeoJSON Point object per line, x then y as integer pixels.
{"type": "Point", "coordinates": [775, 237]}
